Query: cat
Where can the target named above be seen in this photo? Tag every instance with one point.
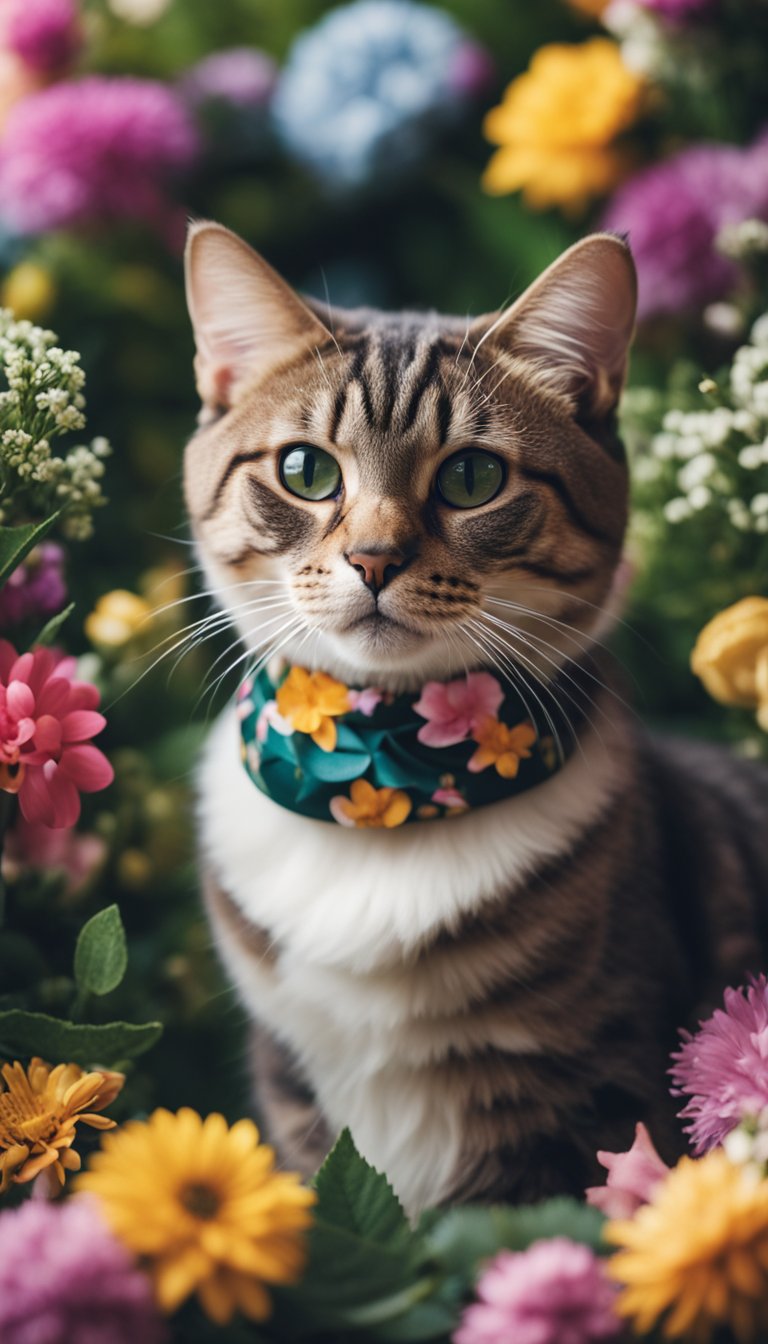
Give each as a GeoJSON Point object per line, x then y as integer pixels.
{"type": "Point", "coordinates": [484, 999]}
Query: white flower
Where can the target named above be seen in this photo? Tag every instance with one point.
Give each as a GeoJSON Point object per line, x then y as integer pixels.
{"type": "Point", "coordinates": [677, 510]}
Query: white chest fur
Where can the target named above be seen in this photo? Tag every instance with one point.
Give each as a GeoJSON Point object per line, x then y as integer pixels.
{"type": "Point", "coordinates": [348, 910]}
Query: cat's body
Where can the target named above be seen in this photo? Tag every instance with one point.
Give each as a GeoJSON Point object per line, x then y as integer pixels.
{"type": "Point", "coordinates": [488, 999]}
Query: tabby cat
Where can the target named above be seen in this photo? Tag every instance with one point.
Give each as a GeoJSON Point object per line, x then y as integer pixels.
{"type": "Point", "coordinates": [486, 998]}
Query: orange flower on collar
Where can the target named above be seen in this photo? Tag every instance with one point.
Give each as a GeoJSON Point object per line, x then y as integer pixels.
{"type": "Point", "coordinates": [501, 746]}
{"type": "Point", "coordinates": [371, 807]}
{"type": "Point", "coordinates": [310, 701]}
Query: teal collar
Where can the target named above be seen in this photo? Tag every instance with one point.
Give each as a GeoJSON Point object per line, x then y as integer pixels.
{"type": "Point", "coordinates": [366, 758]}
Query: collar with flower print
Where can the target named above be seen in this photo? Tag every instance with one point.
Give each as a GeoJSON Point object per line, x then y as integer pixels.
{"type": "Point", "coordinates": [368, 758]}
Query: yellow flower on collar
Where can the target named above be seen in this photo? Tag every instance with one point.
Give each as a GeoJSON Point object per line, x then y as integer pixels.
{"type": "Point", "coordinates": [501, 746]}
{"type": "Point", "coordinates": [731, 656]}
{"type": "Point", "coordinates": [371, 807]}
{"type": "Point", "coordinates": [310, 701]}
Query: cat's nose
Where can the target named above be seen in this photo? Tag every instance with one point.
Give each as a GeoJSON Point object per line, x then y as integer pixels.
{"type": "Point", "coordinates": [377, 568]}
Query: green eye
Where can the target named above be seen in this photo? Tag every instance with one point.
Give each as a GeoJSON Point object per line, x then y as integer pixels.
{"type": "Point", "coordinates": [309, 472]}
{"type": "Point", "coordinates": [470, 479]}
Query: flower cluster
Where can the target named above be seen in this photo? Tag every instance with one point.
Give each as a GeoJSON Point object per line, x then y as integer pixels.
{"type": "Point", "coordinates": [37, 589]}
{"type": "Point", "coordinates": [467, 709]}
{"type": "Point", "coordinates": [44, 34]}
{"type": "Point", "coordinates": [42, 400]}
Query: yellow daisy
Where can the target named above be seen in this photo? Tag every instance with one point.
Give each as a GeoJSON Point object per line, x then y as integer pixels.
{"type": "Point", "coordinates": [696, 1258]}
{"type": "Point", "coordinates": [40, 1107]}
{"type": "Point", "coordinates": [203, 1204]}
{"type": "Point", "coordinates": [310, 701]}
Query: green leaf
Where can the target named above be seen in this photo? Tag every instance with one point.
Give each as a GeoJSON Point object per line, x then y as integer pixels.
{"type": "Point", "coordinates": [101, 955]}
{"type": "Point", "coordinates": [51, 628]}
{"type": "Point", "coordinates": [17, 542]}
{"type": "Point", "coordinates": [465, 1236]}
{"type": "Point", "coordinates": [26, 1034]}
{"type": "Point", "coordinates": [352, 1195]}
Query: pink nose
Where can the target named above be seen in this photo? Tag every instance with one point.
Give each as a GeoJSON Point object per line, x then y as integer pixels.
{"type": "Point", "coordinates": [376, 568]}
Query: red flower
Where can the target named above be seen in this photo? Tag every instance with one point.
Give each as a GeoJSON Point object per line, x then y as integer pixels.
{"type": "Point", "coordinates": [46, 722]}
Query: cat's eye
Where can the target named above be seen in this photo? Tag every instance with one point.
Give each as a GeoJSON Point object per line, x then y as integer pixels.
{"type": "Point", "coordinates": [469, 479]}
{"type": "Point", "coordinates": [310, 472]}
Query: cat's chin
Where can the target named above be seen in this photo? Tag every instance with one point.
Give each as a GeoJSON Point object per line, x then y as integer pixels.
{"type": "Point", "coordinates": [380, 652]}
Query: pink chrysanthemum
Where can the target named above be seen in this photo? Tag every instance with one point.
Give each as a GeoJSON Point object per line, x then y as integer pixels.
{"type": "Point", "coordinates": [95, 150]}
{"type": "Point", "coordinates": [723, 1067]}
{"type": "Point", "coordinates": [44, 34]}
{"type": "Point", "coordinates": [46, 722]}
{"type": "Point", "coordinates": [65, 1279]}
{"type": "Point", "coordinates": [553, 1293]}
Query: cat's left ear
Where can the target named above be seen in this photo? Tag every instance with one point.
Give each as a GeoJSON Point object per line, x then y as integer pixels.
{"type": "Point", "coordinates": [574, 325]}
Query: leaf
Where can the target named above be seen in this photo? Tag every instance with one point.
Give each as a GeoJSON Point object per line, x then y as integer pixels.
{"type": "Point", "coordinates": [101, 955]}
{"type": "Point", "coordinates": [23, 1033]}
{"type": "Point", "coordinates": [17, 542]}
{"type": "Point", "coordinates": [463, 1237]}
{"type": "Point", "coordinates": [352, 1195]}
{"type": "Point", "coordinates": [51, 628]}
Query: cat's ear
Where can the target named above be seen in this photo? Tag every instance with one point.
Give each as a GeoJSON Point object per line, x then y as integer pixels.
{"type": "Point", "coordinates": [245, 318]}
{"type": "Point", "coordinates": [574, 324]}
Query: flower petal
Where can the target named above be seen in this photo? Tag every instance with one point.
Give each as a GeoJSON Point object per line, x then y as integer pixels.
{"type": "Point", "coordinates": [81, 724]}
{"type": "Point", "coordinates": [87, 768]}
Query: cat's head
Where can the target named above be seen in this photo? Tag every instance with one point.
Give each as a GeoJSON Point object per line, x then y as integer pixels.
{"type": "Point", "coordinates": [395, 497]}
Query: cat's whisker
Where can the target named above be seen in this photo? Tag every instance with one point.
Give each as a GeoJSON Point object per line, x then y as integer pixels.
{"type": "Point", "coordinates": [291, 628]}
{"type": "Point", "coordinates": [264, 602]}
{"type": "Point", "coordinates": [202, 636]}
{"type": "Point", "coordinates": [204, 592]}
{"type": "Point", "coordinates": [509, 671]}
{"type": "Point", "coordinates": [504, 657]}
{"type": "Point", "coordinates": [279, 616]}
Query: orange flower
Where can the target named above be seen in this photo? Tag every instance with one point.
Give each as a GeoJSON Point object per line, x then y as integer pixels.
{"type": "Point", "coordinates": [592, 8]}
{"type": "Point", "coordinates": [501, 746]}
{"type": "Point", "coordinates": [371, 807]}
{"type": "Point", "coordinates": [310, 701]}
{"type": "Point", "coordinates": [39, 1110]}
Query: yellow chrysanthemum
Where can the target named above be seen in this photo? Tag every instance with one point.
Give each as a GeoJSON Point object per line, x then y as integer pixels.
{"type": "Point", "coordinates": [501, 746]}
{"type": "Point", "coordinates": [206, 1208]}
{"type": "Point", "coordinates": [369, 807]}
{"type": "Point", "coordinates": [310, 701]}
{"type": "Point", "coordinates": [40, 1108]}
{"type": "Point", "coordinates": [696, 1258]}
{"type": "Point", "coordinates": [731, 656]}
{"type": "Point", "coordinates": [556, 123]}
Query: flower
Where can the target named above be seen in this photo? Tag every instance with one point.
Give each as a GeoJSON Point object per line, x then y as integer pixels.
{"type": "Point", "coordinates": [554, 1293]}
{"type": "Point", "coordinates": [365, 701]}
{"type": "Point", "coordinates": [677, 10]}
{"type": "Point", "coordinates": [310, 701]}
{"type": "Point", "coordinates": [36, 589]}
{"type": "Point", "coordinates": [40, 1108]}
{"type": "Point", "coordinates": [592, 8]}
{"type": "Point", "coordinates": [453, 709]}
{"type": "Point", "coordinates": [364, 90]}
{"type": "Point", "coordinates": [93, 151]}
{"type": "Point", "coordinates": [697, 1256]}
{"type": "Point", "coordinates": [723, 1067]}
{"type": "Point", "coordinates": [65, 1279]}
{"type": "Point", "coordinates": [77, 856]}
{"type": "Point", "coordinates": [44, 34]}
{"type": "Point", "coordinates": [450, 798]}
{"type": "Point", "coordinates": [501, 746]}
{"type": "Point", "coordinates": [205, 1206]}
{"type": "Point", "coordinates": [371, 807]}
{"type": "Point", "coordinates": [142, 13]}
{"type": "Point", "coordinates": [673, 212]}
{"type": "Point", "coordinates": [731, 656]}
{"type": "Point", "coordinates": [243, 77]}
{"type": "Point", "coordinates": [116, 618]}
{"type": "Point", "coordinates": [556, 123]}
{"type": "Point", "coordinates": [632, 1177]}
{"type": "Point", "coordinates": [28, 290]}
{"type": "Point", "coordinates": [46, 722]}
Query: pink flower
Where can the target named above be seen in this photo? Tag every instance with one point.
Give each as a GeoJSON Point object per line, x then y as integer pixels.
{"type": "Point", "coordinates": [270, 717]}
{"type": "Point", "coordinates": [365, 701]}
{"type": "Point", "coordinates": [453, 709]}
{"type": "Point", "coordinates": [36, 590]}
{"type": "Point", "coordinates": [44, 34]}
{"type": "Point", "coordinates": [46, 722]}
{"type": "Point", "coordinates": [77, 855]}
{"type": "Point", "coordinates": [65, 1279]}
{"type": "Point", "coordinates": [449, 798]}
{"type": "Point", "coordinates": [632, 1177]}
{"type": "Point", "coordinates": [553, 1293]}
{"type": "Point", "coordinates": [723, 1067]}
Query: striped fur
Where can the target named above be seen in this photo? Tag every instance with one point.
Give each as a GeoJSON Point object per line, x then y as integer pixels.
{"type": "Point", "coordinates": [489, 999]}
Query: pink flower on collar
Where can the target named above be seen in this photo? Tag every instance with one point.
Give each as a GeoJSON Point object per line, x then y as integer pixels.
{"type": "Point", "coordinates": [453, 709]}
{"type": "Point", "coordinates": [632, 1177]}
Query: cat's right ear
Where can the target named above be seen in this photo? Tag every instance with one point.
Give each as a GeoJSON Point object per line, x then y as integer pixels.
{"type": "Point", "coordinates": [246, 319]}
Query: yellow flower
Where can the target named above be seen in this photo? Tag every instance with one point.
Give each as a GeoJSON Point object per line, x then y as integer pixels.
{"type": "Point", "coordinates": [310, 701]}
{"type": "Point", "coordinates": [40, 1108]}
{"type": "Point", "coordinates": [371, 807]}
{"type": "Point", "coordinates": [593, 8]}
{"type": "Point", "coordinates": [731, 656]}
{"type": "Point", "coordinates": [206, 1208]}
{"type": "Point", "coordinates": [116, 618]}
{"type": "Point", "coordinates": [556, 123]}
{"type": "Point", "coordinates": [501, 746]}
{"type": "Point", "coordinates": [698, 1255]}
{"type": "Point", "coordinates": [29, 291]}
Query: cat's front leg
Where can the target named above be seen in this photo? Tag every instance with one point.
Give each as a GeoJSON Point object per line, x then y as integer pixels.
{"type": "Point", "coordinates": [293, 1121]}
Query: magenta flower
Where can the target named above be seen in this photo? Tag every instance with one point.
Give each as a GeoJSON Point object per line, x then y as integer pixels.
{"type": "Point", "coordinates": [44, 34]}
{"type": "Point", "coordinates": [95, 150]}
{"type": "Point", "coordinates": [36, 590]}
{"type": "Point", "coordinates": [453, 709]}
{"type": "Point", "coordinates": [632, 1177]}
{"type": "Point", "coordinates": [553, 1293]}
{"type": "Point", "coordinates": [46, 722]}
{"type": "Point", "coordinates": [449, 797]}
{"type": "Point", "coordinates": [723, 1067]}
{"type": "Point", "coordinates": [31, 845]}
{"type": "Point", "coordinates": [65, 1279]}
{"type": "Point", "coordinates": [678, 11]}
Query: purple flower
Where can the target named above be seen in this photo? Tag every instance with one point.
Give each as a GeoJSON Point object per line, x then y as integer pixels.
{"type": "Point", "coordinates": [64, 1279]}
{"type": "Point", "coordinates": [673, 212]}
{"type": "Point", "coordinates": [36, 589]}
{"type": "Point", "coordinates": [677, 11]}
{"type": "Point", "coordinates": [94, 150]}
{"type": "Point", "coordinates": [723, 1067]}
{"type": "Point", "coordinates": [553, 1293]}
{"type": "Point", "coordinates": [44, 34]}
{"type": "Point", "coordinates": [242, 77]}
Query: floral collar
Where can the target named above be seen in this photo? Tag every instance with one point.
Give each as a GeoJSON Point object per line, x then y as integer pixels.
{"type": "Point", "coordinates": [368, 758]}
